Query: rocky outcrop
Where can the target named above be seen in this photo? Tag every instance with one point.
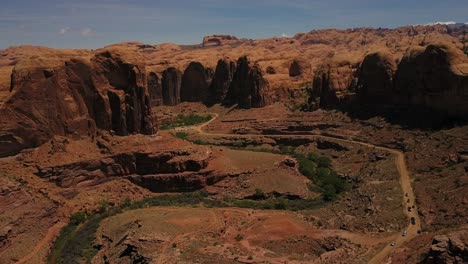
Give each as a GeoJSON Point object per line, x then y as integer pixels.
{"type": "Point", "coordinates": [375, 83]}
{"type": "Point", "coordinates": [222, 79]}
{"type": "Point", "coordinates": [248, 87]}
{"type": "Point", "coordinates": [435, 77]}
{"type": "Point", "coordinates": [109, 93]}
{"type": "Point", "coordinates": [296, 68]}
{"type": "Point", "coordinates": [270, 70]}
{"type": "Point", "coordinates": [171, 81]}
{"type": "Point", "coordinates": [194, 87]}
{"type": "Point", "coordinates": [334, 81]}
{"type": "Point", "coordinates": [137, 166]}
{"type": "Point", "coordinates": [219, 40]}
{"type": "Point", "coordinates": [451, 248]}
{"type": "Point", "coordinates": [155, 89]}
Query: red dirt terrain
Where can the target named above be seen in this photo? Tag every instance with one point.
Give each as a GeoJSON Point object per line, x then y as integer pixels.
{"type": "Point", "coordinates": [386, 110]}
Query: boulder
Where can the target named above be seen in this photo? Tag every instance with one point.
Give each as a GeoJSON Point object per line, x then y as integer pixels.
{"type": "Point", "coordinates": [109, 92]}
{"type": "Point", "coordinates": [194, 87]}
{"type": "Point", "coordinates": [248, 87]}
{"type": "Point", "coordinates": [171, 81]}
{"type": "Point", "coordinates": [449, 248]}
{"type": "Point", "coordinates": [222, 79]}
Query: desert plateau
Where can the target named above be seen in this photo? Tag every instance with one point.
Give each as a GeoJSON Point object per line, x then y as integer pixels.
{"type": "Point", "coordinates": [341, 145]}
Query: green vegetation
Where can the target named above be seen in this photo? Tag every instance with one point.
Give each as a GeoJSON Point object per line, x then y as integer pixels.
{"type": "Point", "coordinates": [317, 168]}
{"type": "Point", "coordinates": [75, 243]}
{"type": "Point", "coordinates": [181, 135]}
{"type": "Point", "coordinates": [239, 237]}
{"type": "Point", "coordinates": [186, 120]}
{"type": "Point", "coordinates": [259, 194]}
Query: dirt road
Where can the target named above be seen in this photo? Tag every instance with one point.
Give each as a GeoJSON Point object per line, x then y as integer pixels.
{"type": "Point", "coordinates": [405, 182]}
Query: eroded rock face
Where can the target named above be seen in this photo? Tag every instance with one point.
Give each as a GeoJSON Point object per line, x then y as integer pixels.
{"type": "Point", "coordinates": [222, 79]}
{"type": "Point", "coordinates": [436, 78]}
{"type": "Point", "coordinates": [194, 87]}
{"type": "Point", "coordinates": [296, 68]}
{"type": "Point", "coordinates": [171, 81]}
{"type": "Point", "coordinates": [155, 89]}
{"type": "Point", "coordinates": [159, 172]}
{"type": "Point", "coordinates": [332, 81]}
{"type": "Point", "coordinates": [108, 93]}
{"type": "Point", "coordinates": [375, 83]}
{"type": "Point", "coordinates": [248, 88]}
{"type": "Point", "coordinates": [451, 248]}
{"type": "Point", "coordinates": [218, 40]}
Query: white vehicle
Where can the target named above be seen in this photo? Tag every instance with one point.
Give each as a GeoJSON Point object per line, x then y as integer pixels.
{"type": "Point", "coordinates": [393, 243]}
{"type": "Point", "coordinates": [405, 233]}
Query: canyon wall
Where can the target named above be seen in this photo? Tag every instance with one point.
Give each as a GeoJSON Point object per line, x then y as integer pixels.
{"type": "Point", "coordinates": [109, 92]}
{"type": "Point", "coordinates": [434, 78]}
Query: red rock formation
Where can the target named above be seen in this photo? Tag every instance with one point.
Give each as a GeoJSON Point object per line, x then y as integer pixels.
{"type": "Point", "coordinates": [270, 70]}
{"type": "Point", "coordinates": [436, 78]}
{"type": "Point", "coordinates": [248, 88]}
{"type": "Point", "coordinates": [155, 89]}
{"type": "Point", "coordinates": [296, 68]}
{"type": "Point", "coordinates": [333, 81]}
{"type": "Point", "coordinates": [219, 40]}
{"type": "Point", "coordinates": [375, 83]}
{"type": "Point", "coordinates": [221, 80]}
{"type": "Point", "coordinates": [73, 100]}
{"type": "Point", "coordinates": [194, 87]}
{"type": "Point", "coordinates": [171, 80]}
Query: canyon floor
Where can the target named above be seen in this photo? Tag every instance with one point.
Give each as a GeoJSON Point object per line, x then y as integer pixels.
{"type": "Point", "coordinates": [237, 155]}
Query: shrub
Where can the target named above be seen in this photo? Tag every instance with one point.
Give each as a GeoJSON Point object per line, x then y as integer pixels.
{"type": "Point", "coordinates": [77, 218]}
{"type": "Point", "coordinates": [259, 194]}
{"type": "Point", "coordinates": [181, 135]}
{"type": "Point", "coordinates": [329, 192]}
{"type": "Point", "coordinates": [239, 237]}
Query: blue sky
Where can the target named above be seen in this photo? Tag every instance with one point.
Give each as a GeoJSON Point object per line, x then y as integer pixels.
{"type": "Point", "coordinates": [93, 24]}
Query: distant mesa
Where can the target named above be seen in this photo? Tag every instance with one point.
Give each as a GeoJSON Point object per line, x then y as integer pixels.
{"type": "Point", "coordinates": [219, 40]}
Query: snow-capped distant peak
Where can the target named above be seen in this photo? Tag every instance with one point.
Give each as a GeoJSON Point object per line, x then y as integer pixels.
{"type": "Point", "coordinates": [441, 23]}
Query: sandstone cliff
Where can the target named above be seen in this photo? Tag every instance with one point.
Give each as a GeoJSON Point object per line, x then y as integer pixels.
{"type": "Point", "coordinates": [222, 79]}
{"type": "Point", "coordinates": [248, 87]}
{"type": "Point", "coordinates": [171, 81]}
{"type": "Point", "coordinates": [194, 86]}
{"type": "Point", "coordinates": [333, 81]}
{"type": "Point", "coordinates": [435, 77]}
{"type": "Point", "coordinates": [155, 89]}
{"type": "Point", "coordinates": [375, 83]}
{"type": "Point", "coordinates": [75, 99]}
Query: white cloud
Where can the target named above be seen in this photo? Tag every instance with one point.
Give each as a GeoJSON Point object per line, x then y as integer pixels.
{"type": "Point", "coordinates": [64, 30]}
{"type": "Point", "coordinates": [284, 35]}
{"type": "Point", "coordinates": [87, 32]}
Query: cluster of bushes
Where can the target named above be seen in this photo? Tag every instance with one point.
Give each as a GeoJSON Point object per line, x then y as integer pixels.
{"type": "Point", "coordinates": [186, 120]}
{"type": "Point", "coordinates": [318, 169]}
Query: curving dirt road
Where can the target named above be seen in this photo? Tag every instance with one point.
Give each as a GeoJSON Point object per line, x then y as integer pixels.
{"type": "Point", "coordinates": [405, 182]}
